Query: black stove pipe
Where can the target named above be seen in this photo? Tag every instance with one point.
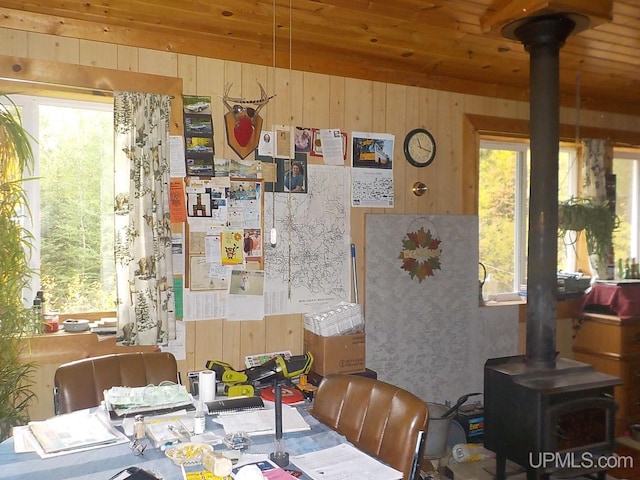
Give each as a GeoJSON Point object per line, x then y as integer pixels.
{"type": "Point", "coordinates": [543, 36]}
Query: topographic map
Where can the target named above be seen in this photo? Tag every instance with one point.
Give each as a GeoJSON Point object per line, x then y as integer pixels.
{"type": "Point", "coordinates": [309, 268]}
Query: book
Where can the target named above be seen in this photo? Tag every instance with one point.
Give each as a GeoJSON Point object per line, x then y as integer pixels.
{"type": "Point", "coordinates": [104, 326]}
{"type": "Point", "coordinates": [266, 468]}
{"type": "Point", "coordinates": [119, 415]}
{"type": "Point", "coordinates": [74, 431]}
{"type": "Point", "coordinates": [234, 404]}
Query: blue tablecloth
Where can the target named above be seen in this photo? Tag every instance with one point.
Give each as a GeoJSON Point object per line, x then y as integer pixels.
{"type": "Point", "coordinates": [102, 463]}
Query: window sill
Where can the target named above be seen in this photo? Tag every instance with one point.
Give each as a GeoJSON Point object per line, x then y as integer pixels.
{"type": "Point", "coordinates": [564, 308]}
{"type": "Point", "coordinates": [61, 347]}
{"type": "Point", "coordinates": [502, 303]}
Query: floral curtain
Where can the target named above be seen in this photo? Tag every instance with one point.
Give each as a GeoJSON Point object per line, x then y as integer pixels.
{"type": "Point", "coordinates": [596, 153]}
{"type": "Point", "coordinates": [144, 270]}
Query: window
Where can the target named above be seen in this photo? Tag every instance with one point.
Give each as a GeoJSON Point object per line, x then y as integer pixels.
{"type": "Point", "coordinates": [626, 240]}
{"type": "Point", "coordinates": [503, 208]}
{"type": "Point", "coordinates": [71, 201]}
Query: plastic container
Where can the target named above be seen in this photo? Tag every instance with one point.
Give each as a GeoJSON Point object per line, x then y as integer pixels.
{"type": "Point", "coordinates": [51, 322]}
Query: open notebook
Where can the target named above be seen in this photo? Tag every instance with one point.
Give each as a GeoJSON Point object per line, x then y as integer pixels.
{"type": "Point", "coordinates": [263, 421]}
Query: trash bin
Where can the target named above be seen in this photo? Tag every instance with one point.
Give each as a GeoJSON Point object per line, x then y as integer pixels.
{"type": "Point", "coordinates": [437, 431]}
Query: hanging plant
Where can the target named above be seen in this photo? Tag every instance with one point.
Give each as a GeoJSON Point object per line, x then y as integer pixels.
{"type": "Point", "coordinates": [596, 219]}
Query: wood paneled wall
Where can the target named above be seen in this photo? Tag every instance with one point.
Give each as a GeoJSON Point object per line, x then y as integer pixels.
{"type": "Point", "coordinates": [302, 98]}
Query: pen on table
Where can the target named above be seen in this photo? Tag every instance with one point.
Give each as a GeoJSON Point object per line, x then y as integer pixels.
{"type": "Point", "coordinates": [177, 432]}
{"type": "Point", "coordinates": [169, 444]}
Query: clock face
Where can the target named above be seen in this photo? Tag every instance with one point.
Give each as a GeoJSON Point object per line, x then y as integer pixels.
{"type": "Point", "coordinates": [419, 147]}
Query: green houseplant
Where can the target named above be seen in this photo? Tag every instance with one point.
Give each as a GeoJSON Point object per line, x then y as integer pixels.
{"type": "Point", "coordinates": [16, 160]}
{"type": "Point", "coordinates": [598, 221]}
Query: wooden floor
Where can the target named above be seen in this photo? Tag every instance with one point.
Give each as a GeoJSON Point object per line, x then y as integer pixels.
{"type": "Point", "coordinates": [628, 448]}
{"type": "Point", "coordinates": [485, 469]}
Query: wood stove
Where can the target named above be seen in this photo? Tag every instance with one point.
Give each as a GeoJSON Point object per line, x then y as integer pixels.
{"type": "Point", "coordinates": [548, 415]}
{"type": "Point", "coordinates": [556, 421]}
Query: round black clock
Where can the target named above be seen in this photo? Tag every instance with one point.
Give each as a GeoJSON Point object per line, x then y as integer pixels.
{"type": "Point", "coordinates": [419, 147]}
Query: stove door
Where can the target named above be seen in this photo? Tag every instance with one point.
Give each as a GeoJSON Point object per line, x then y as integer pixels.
{"type": "Point", "coordinates": [580, 425]}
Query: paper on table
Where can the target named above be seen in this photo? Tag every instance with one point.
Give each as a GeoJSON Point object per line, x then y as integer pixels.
{"type": "Point", "coordinates": [262, 422]}
{"type": "Point", "coordinates": [23, 440]}
{"type": "Point", "coordinates": [344, 462]}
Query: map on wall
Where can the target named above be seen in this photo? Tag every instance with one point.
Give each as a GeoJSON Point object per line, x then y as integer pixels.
{"type": "Point", "coordinates": [309, 268]}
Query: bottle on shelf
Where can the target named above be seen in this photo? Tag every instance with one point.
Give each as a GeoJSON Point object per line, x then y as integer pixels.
{"type": "Point", "coordinates": [36, 319]}
{"type": "Point", "coordinates": [627, 269]}
{"type": "Point", "coordinates": [620, 269]}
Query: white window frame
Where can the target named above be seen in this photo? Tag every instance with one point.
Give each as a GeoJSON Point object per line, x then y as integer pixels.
{"type": "Point", "coordinates": [522, 150]}
{"type": "Point", "coordinates": [29, 106]}
{"type": "Point", "coordinates": [635, 200]}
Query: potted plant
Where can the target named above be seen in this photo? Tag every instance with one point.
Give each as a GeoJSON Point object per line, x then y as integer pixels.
{"type": "Point", "coordinates": [598, 221]}
{"type": "Point", "coordinates": [16, 320]}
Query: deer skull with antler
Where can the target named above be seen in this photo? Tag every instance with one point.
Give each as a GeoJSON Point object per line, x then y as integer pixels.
{"type": "Point", "coordinates": [243, 119]}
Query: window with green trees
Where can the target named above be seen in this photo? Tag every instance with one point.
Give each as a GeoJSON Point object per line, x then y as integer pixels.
{"type": "Point", "coordinates": [72, 203]}
{"type": "Point", "coordinates": [503, 206]}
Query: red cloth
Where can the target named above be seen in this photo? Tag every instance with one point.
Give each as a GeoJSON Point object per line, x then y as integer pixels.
{"type": "Point", "coordinates": [622, 300]}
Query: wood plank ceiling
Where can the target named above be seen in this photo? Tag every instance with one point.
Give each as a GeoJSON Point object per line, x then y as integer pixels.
{"type": "Point", "coordinates": [453, 45]}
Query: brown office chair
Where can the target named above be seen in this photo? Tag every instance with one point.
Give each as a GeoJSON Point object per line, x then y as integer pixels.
{"type": "Point", "coordinates": [80, 384]}
{"type": "Point", "coordinates": [381, 419]}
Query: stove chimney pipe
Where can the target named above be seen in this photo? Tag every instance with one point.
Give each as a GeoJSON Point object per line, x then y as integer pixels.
{"type": "Point", "coordinates": [543, 36]}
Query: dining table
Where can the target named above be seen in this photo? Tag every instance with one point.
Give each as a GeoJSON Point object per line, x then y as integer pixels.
{"type": "Point", "coordinates": [106, 461]}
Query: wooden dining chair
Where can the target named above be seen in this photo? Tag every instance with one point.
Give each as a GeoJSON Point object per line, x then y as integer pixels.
{"type": "Point", "coordinates": [383, 420]}
{"type": "Point", "coordinates": [80, 384]}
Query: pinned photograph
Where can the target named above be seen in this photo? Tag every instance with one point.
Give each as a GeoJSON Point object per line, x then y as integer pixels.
{"type": "Point", "coordinates": [302, 139]}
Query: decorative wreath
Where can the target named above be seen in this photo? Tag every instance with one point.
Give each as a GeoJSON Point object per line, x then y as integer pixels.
{"type": "Point", "coordinates": [420, 254]}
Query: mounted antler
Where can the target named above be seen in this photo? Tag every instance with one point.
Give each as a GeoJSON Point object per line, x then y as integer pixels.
{"type": "Point", "coordinates": [237, 109]}
{"type": "Point", "coordinates": [243, 120]}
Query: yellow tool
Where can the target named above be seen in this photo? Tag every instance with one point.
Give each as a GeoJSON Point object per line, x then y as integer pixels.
{"type": "Point", "coordinates": [244, 382]}
{"type": "Point", "coordinates": [226, 373]}
{"type": "Point", "coordinates": [239, 391]}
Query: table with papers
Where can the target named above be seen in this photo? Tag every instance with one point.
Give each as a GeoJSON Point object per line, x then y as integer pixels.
{"type": "Point", "coordinates": [101, 463]}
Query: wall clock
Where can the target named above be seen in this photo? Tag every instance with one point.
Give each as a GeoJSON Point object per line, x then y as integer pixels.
{"type": "Point", "coordinates": [419, 147]}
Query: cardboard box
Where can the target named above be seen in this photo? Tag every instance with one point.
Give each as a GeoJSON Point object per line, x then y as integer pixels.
{"type": "Point", "coordinates": [339, 354]}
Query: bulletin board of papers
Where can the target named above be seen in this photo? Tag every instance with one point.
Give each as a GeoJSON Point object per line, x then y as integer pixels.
{"type": "Point", "coordinates": [225, 213]}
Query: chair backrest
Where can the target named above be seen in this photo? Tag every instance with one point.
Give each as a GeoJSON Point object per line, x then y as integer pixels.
{"type": "Point", "coordinates": [381, 419]}
{"type": "Point", "coordinates": [80, 384]}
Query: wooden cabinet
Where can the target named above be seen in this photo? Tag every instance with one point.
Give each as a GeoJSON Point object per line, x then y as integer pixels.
{"type": "Point", "coordinates": [612, 345]}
